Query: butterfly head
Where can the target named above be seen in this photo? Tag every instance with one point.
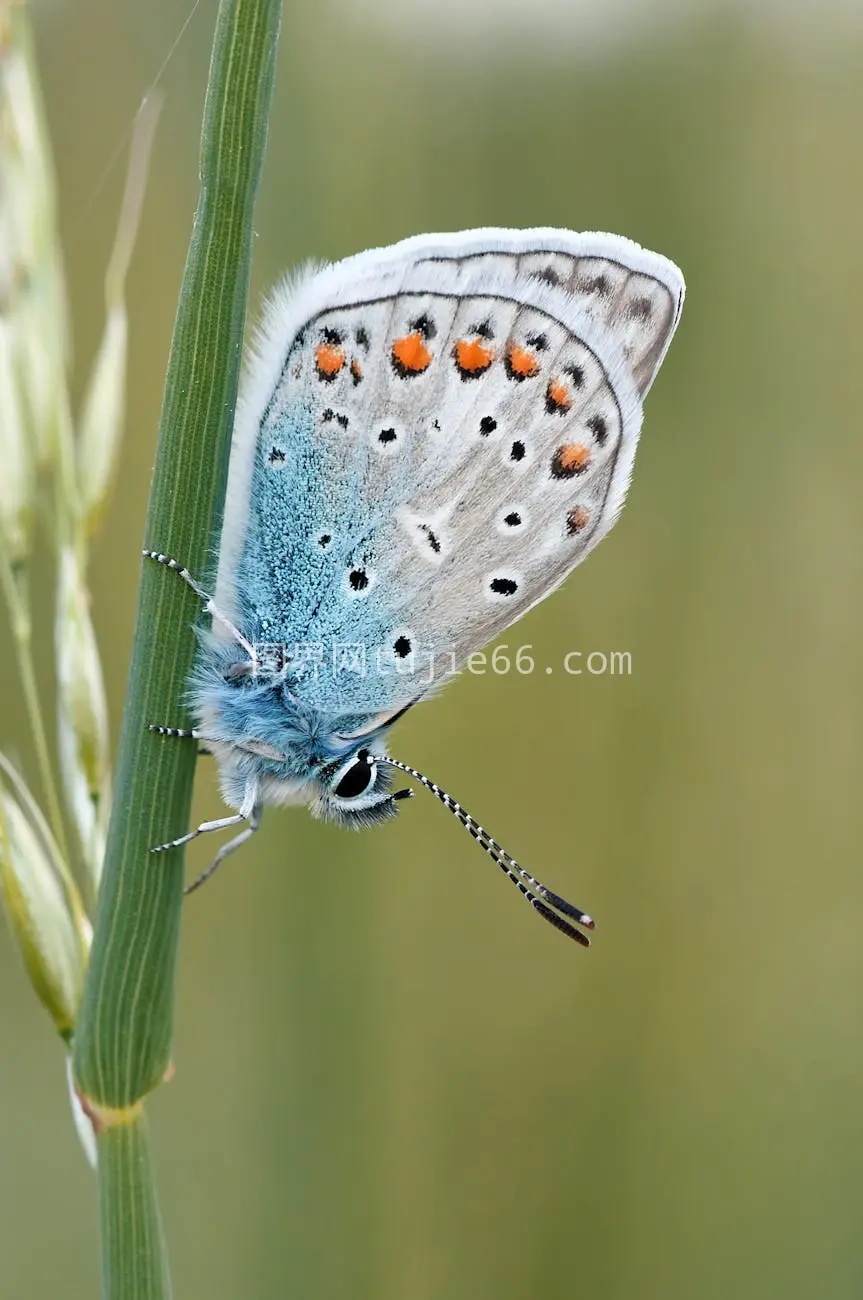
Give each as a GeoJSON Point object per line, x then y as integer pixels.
{"type": "Point", "coordinates": [355, 791]}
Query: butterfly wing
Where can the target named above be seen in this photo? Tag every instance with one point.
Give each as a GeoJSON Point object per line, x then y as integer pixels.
{"type": "Point", "coordinates": [635, 293]}
{"type": "Point", "coordinates": [430, 438]}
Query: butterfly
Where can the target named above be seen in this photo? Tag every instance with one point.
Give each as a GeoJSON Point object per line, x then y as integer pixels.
{"type": "Point", "coordinates": [429, 437]}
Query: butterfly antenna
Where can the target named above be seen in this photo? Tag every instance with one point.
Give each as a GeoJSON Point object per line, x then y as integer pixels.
{"type": "Point", "coordinates": [543, 900]}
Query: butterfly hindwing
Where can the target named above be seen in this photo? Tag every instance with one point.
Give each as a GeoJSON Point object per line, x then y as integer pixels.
{"type": "Point", "coordinates": [636, 293]}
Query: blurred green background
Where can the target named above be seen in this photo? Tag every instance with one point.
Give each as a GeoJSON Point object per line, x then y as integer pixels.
{"type": "Point", "coordinates": [392, 1080]}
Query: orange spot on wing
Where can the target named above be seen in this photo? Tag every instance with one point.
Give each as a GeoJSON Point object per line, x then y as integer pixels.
{"type": "Point", "coordinates": [356, 371]}
{"type": "Point", "coordinates": [329, 360]}
{"type": "Point", "coordinates": [570, 459]}
{"type": "Point", "coordinates": [472, 356]}
{"type": "Point", "coordinates": [410, 354]}
{"type": "Point", "coordinates": [521, 363]}
{"type": "Point", "coordinates": [576, 520]}
{"type": "Point", "coordinates": [557, 396]}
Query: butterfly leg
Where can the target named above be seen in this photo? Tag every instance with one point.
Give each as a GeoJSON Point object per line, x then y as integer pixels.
{"type": "Point", "coordinates": [250, 812]}
{"type": "Point", "coordinates": [186, 733]}
{"type": "Point", "coordinates": [226, 849]}
{"type": "Point", "coordinates": [219, 824]}
{"type": "Point", "coordinates": [209, 604]}
{"type": "Point", "coordinates": [179, 733]}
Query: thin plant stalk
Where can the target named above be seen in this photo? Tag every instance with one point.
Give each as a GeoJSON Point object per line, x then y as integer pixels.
{"type": "Point", "coordinates": [123, 1038]}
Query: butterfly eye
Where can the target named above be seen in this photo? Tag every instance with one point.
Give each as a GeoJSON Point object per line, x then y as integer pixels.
{"type": "Point", "coordinates": [358, 777]}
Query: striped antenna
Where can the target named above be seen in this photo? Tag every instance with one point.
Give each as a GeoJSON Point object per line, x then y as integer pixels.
{"type": "Point", "coordinates": [543, 900]}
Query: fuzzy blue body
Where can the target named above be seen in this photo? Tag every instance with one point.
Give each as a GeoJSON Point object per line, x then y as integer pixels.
{"type": "Point", "coordinates": [271, 745]}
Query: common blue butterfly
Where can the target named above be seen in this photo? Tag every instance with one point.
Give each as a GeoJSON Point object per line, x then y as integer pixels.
{"type": "Point", "coordinates": [429, 438]}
